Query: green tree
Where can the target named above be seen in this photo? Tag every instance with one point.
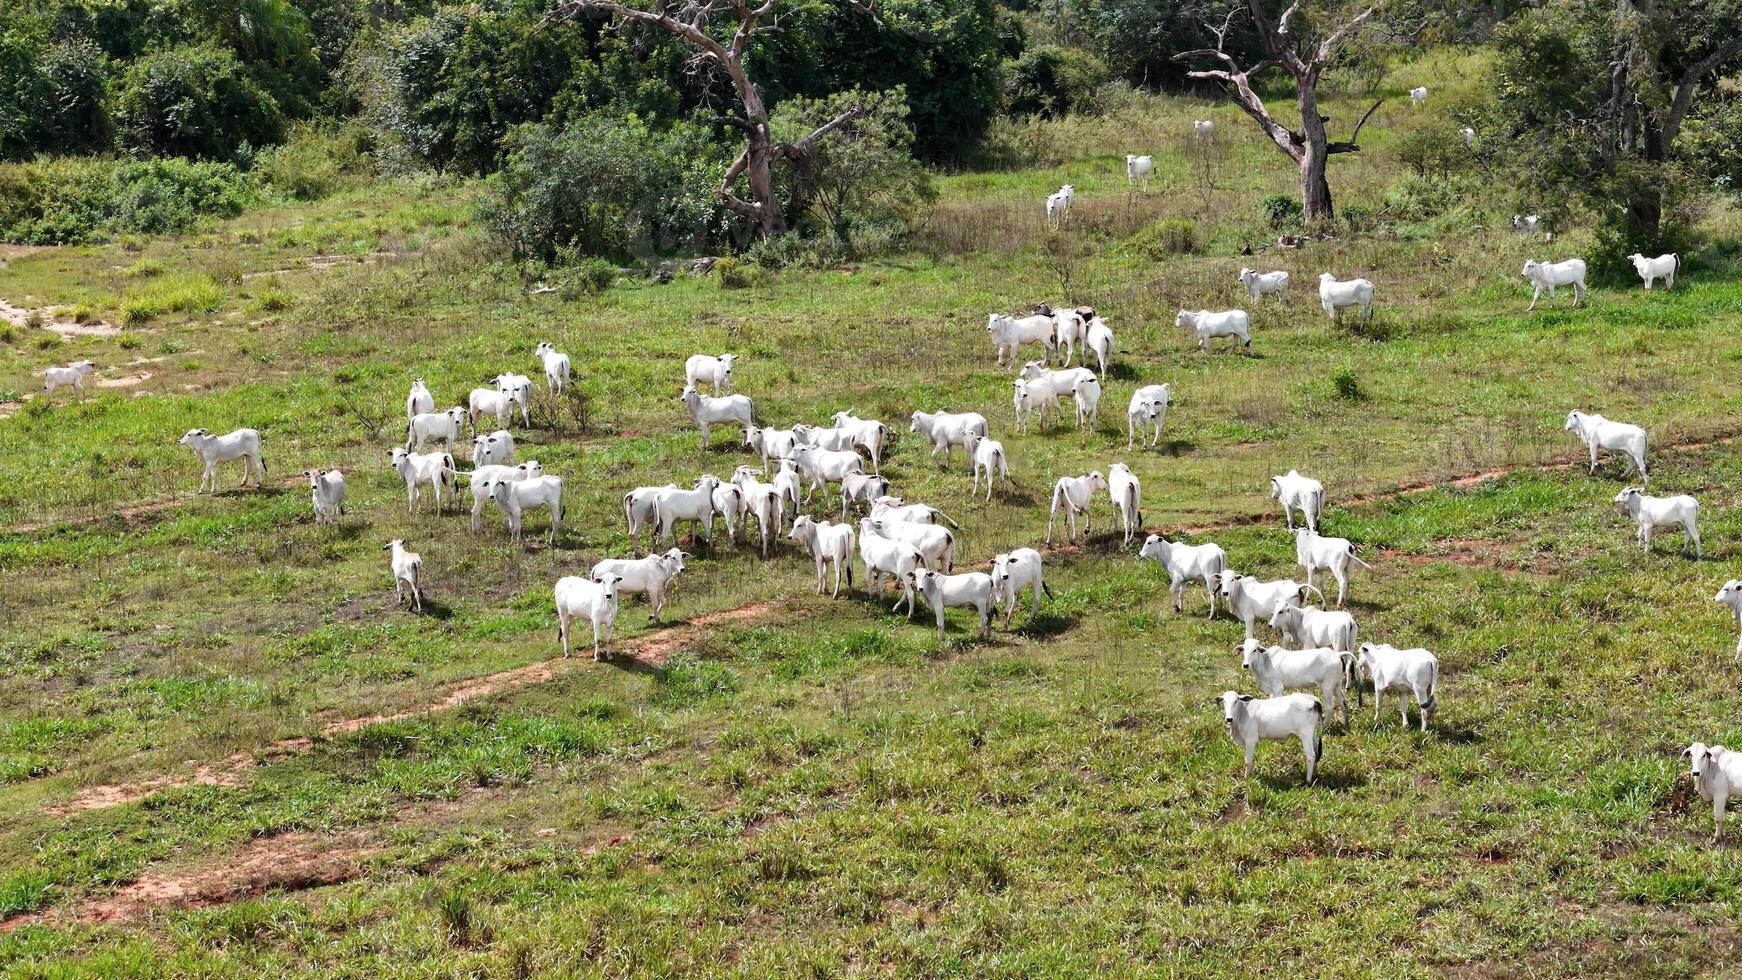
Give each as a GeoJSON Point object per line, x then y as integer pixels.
{"type": "Point", "coordinates": [195, 102]}
{"type": "Point", "coordinates": [862, 178]}
{"type": "Point", "coordinates": [1592, 97]}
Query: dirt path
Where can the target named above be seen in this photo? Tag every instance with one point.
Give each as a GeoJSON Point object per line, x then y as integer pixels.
{"type": "Point", "coordinates": [652, 650]}
{"type": "Point", "coordinates": [20, 317]}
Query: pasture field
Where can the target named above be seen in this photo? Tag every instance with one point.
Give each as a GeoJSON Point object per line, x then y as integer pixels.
{"type": "Point", "coordinates": [224, 751]}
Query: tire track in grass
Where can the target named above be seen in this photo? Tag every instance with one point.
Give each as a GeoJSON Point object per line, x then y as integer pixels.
{"type": "Point", "coordinates": [651, 650]}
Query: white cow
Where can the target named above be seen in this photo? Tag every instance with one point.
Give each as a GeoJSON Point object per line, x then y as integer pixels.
{"type": "Point", "coordinates": [1261, 284]}
{"type": "Point", "coordinates": [436, 469]}
{"type": "Point", "coordinates": [407, 573]}
{"type": "Point", "coordinates": [1184, 562]}
{"type": "Point", "coordinates": [595, 602]}
{"type": "Point", "coordinates": [716, 371]}
{"type": "Point", "coordinates": [708, 412]}
{"type": "Point", "coordinates": [1058, 205]}
{"type": "Point", "coordinates": [988, 455]}
{"type": "Point", "coordinates": [1296, 492]}
{"type": "Point", "coordinates": [1408, 672]}
{"type": "Point", "coordinates": [556, 366]}
{"type": "Point", "coordinates": [1469, 137]}
{"type": "Point", "coordinates": [883, 556]}
{"type": "Point", "coordinates": [945, 430]}
{"type": "Point", "coordinates": [1731, 595]}
{"type": "Point", "coordinates": [1651, 513]}
{"type": "Point", "coordinates": [1251, 720]}
{"type": "Point", "coordinates": [1418, 95]}
{"type": "Point", "coordinates": [242, 444]}
{"type": "Point", "coordinates": [1009, 333]}
{"type": "Point", "coordinates": [1314, 551]}
{"type": "Point", "coordinates": [1597, 432]}
{"type": "Point", "coordinates": [1334, 294]}
{"type": "Point", "coordinates": [1277, 669]}
{"type": "Point", "coordinates": [1548, 275]}
{"type": "Point", "coordinates": [826, 543]}
{"type": "Point", "coordinates": [1148, 409]}
{"type": "Point", "coordinates": [1717, 773]}
{"type": "Point", "coordinates": [1087, 394]}
{"type": "Point", "coordinates": [967, 589]}
{"type": "Point", "coordinates": [75, 373]}
{"type": "Point", "coordinates": [420, 401]}
{"type": "Point", "coordinates": [1203, 129]}
{"type": "Point", "coordinates": [1019, 569]}
{"type": "Point", "coordinates": [1663, 267]}
{"type": "Point", "coordinates": [1310, 626]}
{"type": "Point", "coordinates": [652, 575]}
{"type": "Point", "coordinates": [1250, 600]}
{"type": "Point", "coordinates": [327, 491]}
{"type": "Point", "coordinates": [1137, 170]}
{"type": "Point", "coordinates": [1126, 492]}
{"type": "Point", "coordinates": [1074, 494]}
{"type": "Point", "coordinates": [1099, 340]}
{"type": "Point", "coordinates": [1208, 326]}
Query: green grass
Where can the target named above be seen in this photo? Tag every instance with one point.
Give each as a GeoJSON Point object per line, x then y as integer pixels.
{"type": "Point", "coordinates": [830, 789]}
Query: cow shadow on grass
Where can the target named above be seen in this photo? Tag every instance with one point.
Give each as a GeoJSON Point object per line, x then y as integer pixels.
{"type": "Point", "coordinates": [434, 609]}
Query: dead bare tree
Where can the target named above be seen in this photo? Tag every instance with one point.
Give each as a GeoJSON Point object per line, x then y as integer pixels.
{"type": "Point", "coordinates": [694, 23]}
{"type": "Point", "coordinates": [1310, 147]}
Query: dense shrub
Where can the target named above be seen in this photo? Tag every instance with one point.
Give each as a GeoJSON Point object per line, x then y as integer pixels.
{"type": "Point", "coordinates": [860, 186]}
{"type": "Point", "coordinates": [195, 102]}
{"type": "Point", "coordinates": [1417, 198]}
{"type": "Point", "coordinates": [1138, 38]}
{"type": "Point", "coordinates": [317, 160]}
{"type": "Point", "coordinates": [735, 274]}
{"type": "Point", "coordinates": [51, 97]}
{"type": "Point", "coordinates": [606, 186]}
{"type": "Point", "coordinates": [60, 201]}
{"type": "Point", "coordinates": [1168, 237]}
{"type": "Point", "coordinates": [1280, 210]}
{"type": "Point", "coordinates": [1052, 82]}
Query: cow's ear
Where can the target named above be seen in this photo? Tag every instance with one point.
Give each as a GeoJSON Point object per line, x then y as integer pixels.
{"type": "Point", "coordinates": [1245, 697]}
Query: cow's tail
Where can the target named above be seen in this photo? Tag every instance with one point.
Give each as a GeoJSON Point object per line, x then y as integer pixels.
{"type": "Point", "coordinates": [1357, 559]}
{"type": "Point", "coordinates": [1433, 689]}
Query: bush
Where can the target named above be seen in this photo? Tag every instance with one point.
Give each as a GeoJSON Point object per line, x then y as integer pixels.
{"type": "Point", "coordinates": [860, 185]}
{"type": "Point", "coordinates": [317, 160]}
{"type": "Point", "coordinates": [592, 276]}
{"type": "Point", "coordinates": [734, 274]}
{"type": "Point", "coordinates": [1169, 236]}
{"type": "Point", "coordinates": [1358, 218]}
{"type": "Point", "coordinates": [1050, 82]}
{"type": "Point", "coordinates": [194, 102]}
{"type": "Point", "coordinates": [79, 201]}
{"type": "Point", "coordinates": [1418, 198]}
{"type": "Point", "coordinates": [1347, 386]}
{"type": "Point", "coordinates": [1280, 210]}
{"type": "Point", "coordinates": [606, 186]}
{"type": "Point", "coordinates": [1434, 150]}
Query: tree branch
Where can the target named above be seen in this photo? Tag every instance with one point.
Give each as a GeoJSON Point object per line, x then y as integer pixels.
{"type": "Point", "coordinates": [1336, 37]}
{"type": "Point", "coordinates": [733, 121]}
{"type": "Point", "coordinates": [802, 147]}
{"type": "Point", "coordinates": [1690, 82]}
{"type": "Point", "coordinates": [732, 200]}
{"type": "Point", "coordinates": [1352, 146]}
{"type": "Point", "coordinates": [690, 32]}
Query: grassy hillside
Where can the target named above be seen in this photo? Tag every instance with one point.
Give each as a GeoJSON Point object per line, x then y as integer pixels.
{"type": "Point", "coordinates": [224, 751]}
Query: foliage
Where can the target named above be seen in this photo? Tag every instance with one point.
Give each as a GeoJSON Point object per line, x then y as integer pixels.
{"type": "Point", "coordinates": [195, 102]}
{"type": "Point", "coordinates": [1138, 38]}
{"type": "Point", "coordinates": [606, 185]}
{"type": "Point", "coordinates": [943, 54]}
{"type": "Point", "coordinates": [859, 183]}
{"type": "Point", "coordinates": [318, 159]}
{"type": "Point", "coordinates": [1052, 81]}
{"type": "Point", "coordinates": [69, 201]}
{"type": "Point", "coordinates": [734, 273]}
{"type": "Point", "coordinates": [1168, 237]}
{"type": "Point", "coordinates": [51, 96]}
{"type": "Point", "coordinates": [1434, 149]}
{"type": "Point", "coordinates": [1280, 210]}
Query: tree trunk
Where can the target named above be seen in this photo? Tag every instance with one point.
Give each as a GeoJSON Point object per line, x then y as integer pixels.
{"type": "Point", "coordinates": [1645, 211]}
{"type": "Point", "coordinates": [1315, 189]}
{"type": "Point", "coordinates": [759, 174]}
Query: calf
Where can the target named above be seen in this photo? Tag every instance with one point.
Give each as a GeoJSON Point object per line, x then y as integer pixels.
{"type": "Point", "coordinates": [484, 476]}
{"type": "Point", "coordinates": [826, 543]}
{"type": "Point", "coordinates": [1651, 513]}
{"type": "Point", "coordinates": [771, 443]}
{"type": "Point", "coordinates": [407, 573]}
{"type": "Point", "coordinates": [988, 455]}
{"type": "Point", "coordinates": [862, 488]}
{"type": "Point", "coordinates": [493, 448]}
{"type": "Point", "coordinates": [1277, 668]}
{"type": "Point", "coordinates": [1408, 672]}
{"type": "Point", "coordinates": [75, 373]}
{"type": "Point", "coordinates": [1418, 95]}
{"type": "Point", "coordinates": [242, 444]}
{"type": "Point", "coordinates": [1074, 494]}
{"type": "Point", "coordinates": [968, 589]}
{"type": "Point", "coordinates": [1597, 432]}
{"type": "Point", "coordinates": [1663, 267]}
{"type": "Point", "coordinates": [1126, 492]}
{"type": "Point", "coordinates": [419, 401]}
{"type": "Point", "coordinates": [1296, 492]}
{"type": "Point", "coordinates": [436, 469]}
{"type": "Point", "coordinates": [1717, 773]}
{"type": "Point", "coordinates": [556, 366]}
{"type": "Point", "coordinates": [672, 505]}
{"type": "Point", "coordinates": [887, 508]}
{"type": "Point", "coordinates": [868, 434]}
{"type": "Point", "coordinates": [1137, 170]}
{"type": "Point", "coordinates": [1184, 562]}
{"type": "Point", "coordinates": [328, 493]}
{"type": "Point", "coordinates": [1019, 569]}
{"type": "Point", "coordinates": [1009, 333]}
{"type": "Point", "coordinates": [638, 510]}
{"type": "Point", "coordinates": [1261, 284]}
{"type": "Point", "coordinates": [936, 545]}
{"type": "Point", "coordinates": [652, 575]}
{"type": "Point", "coordinates": [1548, 275]}
{"type": "Point", "coordinates": [595, 602]}
{"type": "Point", "coordinates": [1087, 394]}
{"type": "Point", "coordinates": [1203, 129]}
{"type": "Point", "coordinates": [1251, 720]}
{"type": "Point", "coordinates": [1148, 409]}
{"type": "Point", "coordinates": [1313, 551]}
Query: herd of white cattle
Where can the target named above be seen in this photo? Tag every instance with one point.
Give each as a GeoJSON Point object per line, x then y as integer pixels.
{"type": "Point", "coordinates": [915, 545]}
